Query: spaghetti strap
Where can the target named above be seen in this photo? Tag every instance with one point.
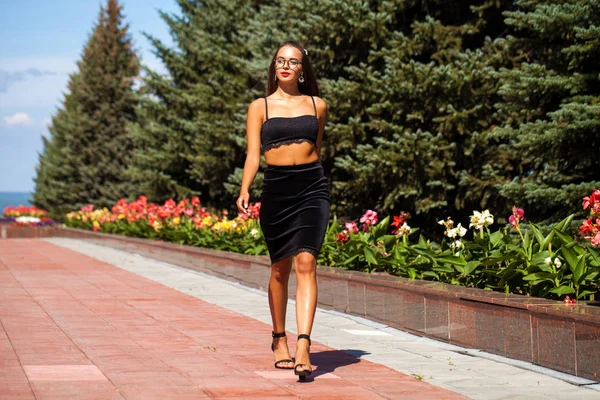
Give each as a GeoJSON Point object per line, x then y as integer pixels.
{"type": "Point", "coordinates": [314, 105]}
{"type": "Point", "coordinates": [266, 110]}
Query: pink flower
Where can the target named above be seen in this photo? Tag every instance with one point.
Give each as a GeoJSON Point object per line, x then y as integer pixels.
{"type": "Point", "coordinates": [517, 216]}
{"type": "Point", "coordinates": [596, 239]}
{"type": "Point", "coordinates": [351, 227]}
{"type": "Point", "coordinates": [370, 218]}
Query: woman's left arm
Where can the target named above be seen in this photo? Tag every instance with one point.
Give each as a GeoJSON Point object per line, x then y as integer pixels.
{"type": "Point", "coordinates": [322, 117]}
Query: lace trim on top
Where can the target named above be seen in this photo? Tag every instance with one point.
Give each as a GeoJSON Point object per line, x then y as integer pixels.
{"type": "Point", "coordinates": [286, 143]}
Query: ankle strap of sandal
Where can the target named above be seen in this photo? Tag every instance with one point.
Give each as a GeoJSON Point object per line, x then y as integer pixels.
{"type": "Point", "coordinates": [304, 336]}
{"type": "Point", "coordinates": [278, 335]}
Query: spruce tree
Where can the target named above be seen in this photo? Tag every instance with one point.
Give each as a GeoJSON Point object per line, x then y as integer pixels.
{"type": "Point", "coordinates": [428, 91]}
{"type": "Point", "coordinates": [86, 157]}
{"type": "Point", "coordinates": [57, 182]}
{"type": "Point", "coordinates": [550, 106]}
{"type": "Point", "coordinates": [410, 87]}
{"type": "Point", "coordinates": [191, 130]}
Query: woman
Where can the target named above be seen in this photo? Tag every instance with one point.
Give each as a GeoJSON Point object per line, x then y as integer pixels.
{"type": "Point", "coordinates": [288, 126]}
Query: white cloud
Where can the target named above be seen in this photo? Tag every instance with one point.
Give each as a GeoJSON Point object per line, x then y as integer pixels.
{"type": "Point", "coordinates": [47, 122]}
{"type": "Point", "coordinates": [18, 119]}
{"type": "Point", "coordinates": [35, 91]}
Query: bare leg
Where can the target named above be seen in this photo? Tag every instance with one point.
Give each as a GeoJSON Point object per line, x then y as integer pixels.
{"type": "Point", "coordinates": [278, 298]}
{"type": "Point", "coordinates": [306, 303]}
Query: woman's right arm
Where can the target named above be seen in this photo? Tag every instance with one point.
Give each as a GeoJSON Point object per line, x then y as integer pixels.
{"type": "Point", "coordinates": [253, 126]}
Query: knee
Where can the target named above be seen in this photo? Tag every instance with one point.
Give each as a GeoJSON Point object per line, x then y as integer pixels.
{"type": "Point", "coordinates": [280, 275]}
{"type": "Point", "coordinates": [305, 263]}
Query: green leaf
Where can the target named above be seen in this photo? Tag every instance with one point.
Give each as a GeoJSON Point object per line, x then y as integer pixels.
{"type": "Point", "coordinates": [537, 234]}
{"type": "Point", "coordinates": [595, 257]}
{"type": "Point", "coordinates": [571, 257]}
{"type": "Point", "coordinates": [443, 268]}
{"type": "Point", "coordinates": [565, 223]}
{"type": "Point", "coordinates": [412, 273]}
{"type": "Point", "coordinates": [564, 237]}
{"type": "Point", "coordinates": [579, 269]}
{"type": "Point", "coordinates": [562, 290]}
{"type": "Point", "coordinates": [388, 239]}
{"type": "Point", "coordinates": [470, 267]}
{"type": "Point", "coordinates": [496, 238]}
{"type": "Point", "coordinates": [584, 293]}
{"type": "Point", "coordinates": [541, 276]}
{"type": "Point", "coordinates": [350, 260]}
{"type": "Point", "coordinates": [370, 256]}
{"type": "Point", "coordinates": [451, 260]}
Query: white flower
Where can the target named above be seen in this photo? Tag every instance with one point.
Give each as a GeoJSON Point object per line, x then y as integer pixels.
{"type": "Point", "coordinates": [254, 232]}
{"type": "Point", "coordinates": [557, 263]}
{"type": "Point", "coordinates": [451, 233]}
{"type": "Point", "coordinates": [548, 261]}
{"type": "Point", "coordinates": [461, 231]}
{"type": "Point", "coordinates": [476, 220]}
{"type": "Point", "coordinates": [27, 220]}
{"type": "Point", "coordinates": [442, 222]}
{"type": "Point", "coordinates": [479, 220]}
{"type": "Point", "coordinates": [456, 245]}
{"type": "Point", "coordinates": [458, 231]}
{"type": "Point", "coordinates": [403, 230]}
{"type": "Point", "coordinates": [487, 217]}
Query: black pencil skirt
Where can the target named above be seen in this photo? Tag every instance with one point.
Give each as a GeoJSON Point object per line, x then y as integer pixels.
{"type": "Point", "coordinates": [294, 209]}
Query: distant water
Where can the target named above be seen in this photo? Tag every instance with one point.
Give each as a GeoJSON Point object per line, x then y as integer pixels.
{"type": "Point", "coordinates": [14, 199]}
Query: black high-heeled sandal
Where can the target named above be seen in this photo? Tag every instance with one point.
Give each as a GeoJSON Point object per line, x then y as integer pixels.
{"type": "Point", "coordinates": [286, 360]}
{"type": "Point", "coordinates": [302, 373]}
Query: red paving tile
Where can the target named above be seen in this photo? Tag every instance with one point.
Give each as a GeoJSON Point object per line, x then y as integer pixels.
{"type": "Point", "coordinates": [84, 329]}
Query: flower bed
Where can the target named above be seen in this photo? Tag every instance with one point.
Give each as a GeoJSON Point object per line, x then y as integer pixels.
{"type": "Point", "coordinates": [186, 222]}
{"type": "Point", "coordinates": [23, 216]}
{"type": "Point", "coordinates": [516, 258]}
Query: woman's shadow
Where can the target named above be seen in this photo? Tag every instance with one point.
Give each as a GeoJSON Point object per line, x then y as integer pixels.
{"type": "Point", "coordinates": [328, 361]}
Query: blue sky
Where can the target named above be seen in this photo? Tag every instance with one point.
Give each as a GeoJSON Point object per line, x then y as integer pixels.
{"type": "Point", "coordinates": [40, 43]}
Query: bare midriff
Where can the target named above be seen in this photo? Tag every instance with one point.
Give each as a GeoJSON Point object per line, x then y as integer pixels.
{"type": "Point", "coordinates": [292, 154]}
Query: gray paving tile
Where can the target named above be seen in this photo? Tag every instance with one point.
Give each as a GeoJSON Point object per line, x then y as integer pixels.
{"type": "Point", "coordinates": [476, 375]}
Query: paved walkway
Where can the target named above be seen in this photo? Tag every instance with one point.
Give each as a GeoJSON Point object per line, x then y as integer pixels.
{"type": "Point", "coordinates": [119, 325]}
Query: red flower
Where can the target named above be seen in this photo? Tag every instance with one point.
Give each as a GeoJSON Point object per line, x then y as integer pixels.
{"type": "Point", "coordinates": [590, 201]}
{"type": "Point", "coordinates": [342, 237]}
{"type": "Point", "coordinates": [399, 221]}
{"type": "Point", "coordinates": [587, 228]}
{"type": "Point", "coordinates": [590, 227]}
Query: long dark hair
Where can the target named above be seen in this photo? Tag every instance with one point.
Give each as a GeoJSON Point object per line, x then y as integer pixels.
{"type": "Point", "coordinates": [309, 86]}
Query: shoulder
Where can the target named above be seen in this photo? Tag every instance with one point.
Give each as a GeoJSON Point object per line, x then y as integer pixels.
{"type": "Point", "coordinates": [257, 106]}
{"type": "Point", "coordinates": [320, 104]}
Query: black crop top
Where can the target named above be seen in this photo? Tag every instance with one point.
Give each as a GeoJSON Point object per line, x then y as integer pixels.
{"type": "Point", "coordinates": [280, 131]}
